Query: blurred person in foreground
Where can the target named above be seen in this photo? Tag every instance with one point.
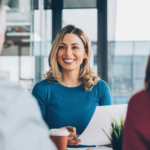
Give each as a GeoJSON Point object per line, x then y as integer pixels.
{"type": "Point", "coordinates": [21, 123]}
{"type": "Point", "coordinates": [137, 125]}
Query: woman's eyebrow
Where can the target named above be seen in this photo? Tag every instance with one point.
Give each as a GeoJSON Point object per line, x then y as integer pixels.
{"type": "Point", "coordinates": [75, 44]}
{"type": "Point", "coordinates": [63, 43]}
{"type": "Point", "coordinates": [71, 44]}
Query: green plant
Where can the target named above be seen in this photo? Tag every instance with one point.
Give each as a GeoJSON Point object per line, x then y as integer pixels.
{"type": "Point", "coordinates": [117, 133]}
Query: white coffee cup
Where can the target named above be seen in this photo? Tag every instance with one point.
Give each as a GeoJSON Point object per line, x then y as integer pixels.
{"type": "Point", "coordinates": [59, 132]}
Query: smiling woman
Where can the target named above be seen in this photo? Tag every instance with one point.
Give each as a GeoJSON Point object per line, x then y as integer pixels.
{"type": "Point", "coordinates": [69, 95]}
{"type": "Point", "coordinates": [74, 44]}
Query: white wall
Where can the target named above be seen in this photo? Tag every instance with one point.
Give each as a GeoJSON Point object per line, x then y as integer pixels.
{"type": "Point", "coordinates": [133, 20]}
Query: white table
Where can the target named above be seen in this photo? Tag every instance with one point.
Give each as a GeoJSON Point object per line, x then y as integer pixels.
{"type": "Point", "coordinates": [94, 148]}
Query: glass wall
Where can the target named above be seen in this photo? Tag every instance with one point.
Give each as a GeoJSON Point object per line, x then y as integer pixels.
{"type": "Point", "coordinates": [16, 63]}
{"type": "Point", "coordinates": [42, 41]}
{"type": "Point", "coordinates": [128, 47]}
{"type": "Point", "coordinates": [28, 42]}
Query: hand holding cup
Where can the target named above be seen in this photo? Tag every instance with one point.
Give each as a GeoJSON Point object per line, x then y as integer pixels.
{"type": "Point", "coordinates": [72, 136]}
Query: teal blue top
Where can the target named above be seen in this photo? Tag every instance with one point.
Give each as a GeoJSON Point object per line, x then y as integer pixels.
{"type": "Point", "coordinates": [70, 106]}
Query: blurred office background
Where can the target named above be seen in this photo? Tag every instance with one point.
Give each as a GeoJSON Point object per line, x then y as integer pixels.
{"type": "Point", "coordinates": [119, 31]}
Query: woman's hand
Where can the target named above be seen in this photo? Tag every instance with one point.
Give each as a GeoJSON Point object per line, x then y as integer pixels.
{"type": "Point", "coordinates": [72, 136]}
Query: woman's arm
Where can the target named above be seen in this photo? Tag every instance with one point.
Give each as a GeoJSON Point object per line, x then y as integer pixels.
{"type": "Point", "coordinates": [39, 93]}
{"type": "Point", "coordinates": [104, 93]}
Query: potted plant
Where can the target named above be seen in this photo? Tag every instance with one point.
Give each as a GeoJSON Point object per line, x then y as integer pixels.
{"type": "Point", "coordinates": [116, 134]}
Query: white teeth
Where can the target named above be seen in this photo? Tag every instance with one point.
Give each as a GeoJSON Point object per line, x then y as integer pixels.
{"type": "Point", "coordinates": [68, 60]}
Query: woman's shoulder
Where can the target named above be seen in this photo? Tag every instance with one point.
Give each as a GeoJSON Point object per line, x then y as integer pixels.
{"type": "Point", "coordinates": [138, 101]}
{"type": "Point", "coordinates": [140, 97]}
{"type": "Point", "coordinates": [41, 83]}
{"type": "Point", "coordinates": [102, 84]}
{"type": "Point", "coordinates": [103, 92]}
{"type": "Point", "coordinates": [138, 106]}
{"type": "Point", "coordinates": [44, 84]}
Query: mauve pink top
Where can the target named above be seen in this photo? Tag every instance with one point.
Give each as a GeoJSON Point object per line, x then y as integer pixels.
{"type": "Point", "coordinates": [136, 134]}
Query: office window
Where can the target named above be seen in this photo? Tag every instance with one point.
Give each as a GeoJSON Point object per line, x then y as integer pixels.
{"type": "Point", "coordinates": [79, 4]}
{"type": "Point", "coordinates": [28, 43]}
{"type": "Point", "coordinates": [128, 47]}
{"type": "Point", "coordinates": [42, 41]}
{"type": "Point", "coordinates": [17, 43]}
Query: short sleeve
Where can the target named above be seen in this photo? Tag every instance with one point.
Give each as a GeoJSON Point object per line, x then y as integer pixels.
{"type": "Point", "coordinates": [39, 92]}
{"type": "Point", "coordinates": [103, 93]}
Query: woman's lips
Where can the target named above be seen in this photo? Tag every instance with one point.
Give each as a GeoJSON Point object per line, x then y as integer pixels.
{"type": "Point", "coordinates": [68, 61]}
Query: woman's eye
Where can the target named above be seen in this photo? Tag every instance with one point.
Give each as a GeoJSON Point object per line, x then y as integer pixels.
{"type": "Point", "coordinates": [62, 47]}
{"type": "Point", "coordinates": [75, 47]}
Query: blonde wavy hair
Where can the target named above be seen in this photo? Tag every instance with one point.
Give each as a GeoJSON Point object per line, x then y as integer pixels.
{"type": "Point", "coordinates": [86, 76]}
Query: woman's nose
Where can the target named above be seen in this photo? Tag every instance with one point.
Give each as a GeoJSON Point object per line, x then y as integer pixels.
{"type": "Point", "coordinates": [68, 51]}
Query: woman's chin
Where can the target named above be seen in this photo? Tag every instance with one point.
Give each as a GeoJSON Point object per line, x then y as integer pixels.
{"type": "Point", "coordinates": [69, 69]}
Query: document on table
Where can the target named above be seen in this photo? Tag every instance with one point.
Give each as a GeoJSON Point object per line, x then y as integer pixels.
{"type": "Point", "coordinates": [101, 121]}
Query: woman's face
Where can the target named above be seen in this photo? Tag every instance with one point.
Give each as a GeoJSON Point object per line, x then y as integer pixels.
{"type": "Point", "coordinates": [71, 53]}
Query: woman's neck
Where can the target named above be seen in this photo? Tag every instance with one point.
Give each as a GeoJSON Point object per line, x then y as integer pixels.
{"type": "Point", "coordinates": [70, 78]}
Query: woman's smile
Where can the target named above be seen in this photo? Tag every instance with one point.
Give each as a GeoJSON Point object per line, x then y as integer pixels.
{"type": "Point", "coordinates": [68, 61]}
